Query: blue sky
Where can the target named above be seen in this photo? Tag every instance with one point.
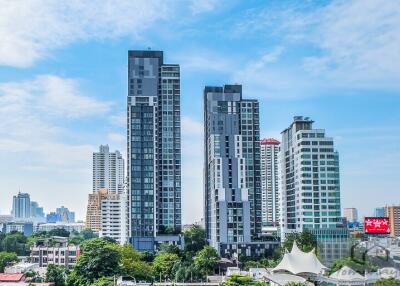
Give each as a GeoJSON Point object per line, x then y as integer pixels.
{"type": "Point", "coordinates": [63, 85]}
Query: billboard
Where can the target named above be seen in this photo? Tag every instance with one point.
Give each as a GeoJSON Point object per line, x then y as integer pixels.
{"type": "Point", "coordinates": [376, 225]}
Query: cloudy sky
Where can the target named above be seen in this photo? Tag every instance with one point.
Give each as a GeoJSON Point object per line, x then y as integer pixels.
{"type": "Point", "coordinates": [63, 72]}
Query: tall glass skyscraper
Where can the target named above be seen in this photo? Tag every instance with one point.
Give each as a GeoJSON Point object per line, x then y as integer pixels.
{"type": "Point", "coordinates": [154, 148]}
{"type": "Point", "coordinates": [232, 171]}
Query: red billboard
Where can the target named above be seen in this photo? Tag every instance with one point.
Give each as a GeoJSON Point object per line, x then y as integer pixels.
{"type": "Point", "coordinates": [376, 225]}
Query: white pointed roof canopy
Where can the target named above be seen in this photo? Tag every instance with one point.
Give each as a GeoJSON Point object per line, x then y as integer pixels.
{"type": "Point", "coordinates": [347, 274]}
{"type": "Point", "coordinates": [297, 262]}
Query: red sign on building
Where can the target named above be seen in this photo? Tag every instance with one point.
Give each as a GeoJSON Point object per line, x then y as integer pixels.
{"type": "Point", "coordinates": [376, 225]}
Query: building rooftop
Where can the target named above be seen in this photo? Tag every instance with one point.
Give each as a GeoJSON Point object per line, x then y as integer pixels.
{"type": "Point", "coordinates": [269, 141]}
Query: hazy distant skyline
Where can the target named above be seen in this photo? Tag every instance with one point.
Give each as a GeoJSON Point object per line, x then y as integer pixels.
{"type": "Point", "coordinates": [63, 72]}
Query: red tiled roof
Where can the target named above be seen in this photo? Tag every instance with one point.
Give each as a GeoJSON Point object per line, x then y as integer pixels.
{"type": "Point", "coordinates": [11, 277]}
{"type": "Point", "coordinates": [270, 141]}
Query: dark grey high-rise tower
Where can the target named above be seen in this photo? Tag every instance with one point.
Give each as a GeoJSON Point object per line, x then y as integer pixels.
{"type": "Point", "coordinates": [154, 148]}
{"type": "Point", "coordinates": [232, 171]}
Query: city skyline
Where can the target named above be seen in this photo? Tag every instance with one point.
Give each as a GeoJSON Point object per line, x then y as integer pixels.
{"type": "Point", "coordinates": [67, 94]}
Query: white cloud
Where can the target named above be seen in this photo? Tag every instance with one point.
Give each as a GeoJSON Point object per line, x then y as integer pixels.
{"type": "Point", "coordinates": [350, 44]}
{"type": "Point", "coordinates": [35, 134]}
{"type": "Point", "coordinates": [32, 113]}
{"type": "Point", "coordinates": [359, 40]}
{"type": "Point", "coordinates": [29, 30]}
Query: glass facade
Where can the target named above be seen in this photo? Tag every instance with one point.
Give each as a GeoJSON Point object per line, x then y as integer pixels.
{"type": "Point", "coordinates": [154, 150]}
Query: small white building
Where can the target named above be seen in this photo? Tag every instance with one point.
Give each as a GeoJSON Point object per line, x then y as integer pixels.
{"type": "Point", "coordinates": [21, 267]}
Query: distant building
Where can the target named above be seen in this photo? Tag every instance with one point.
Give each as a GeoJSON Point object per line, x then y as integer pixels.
{"type": "Point", "coordinates": [114, 217]}
{"type": "Point", "coordinates": [68, 226]}
{"type": "Point", "coordinates": [37, 213]}
{"type": "Point", "coordinates": [269, 181]}
{"type": "Point", "coordinates": [55, 250]}
{"type": "Point", "coordinates": [24, 227]}
{"type": "Point", "coordinates": [379, 212]}
{"type": "Point", "coordinates": [393, 212]}
{"type": "Point", "coordinates": [21, 209]}
{"type": "Point", "coordinates": [65, 214]}
{"type": "Point", "coordinates": [108, 170]}
{"type": "Point", "coordinates": [93, 212]}
{"type": "Point", "coordinates": [53, 217]}
{"type": "Point", "coordinates": [350, 214]}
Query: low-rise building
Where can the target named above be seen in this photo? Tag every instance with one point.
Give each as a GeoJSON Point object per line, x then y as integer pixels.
{"type": "Point", "coordinates": [75, 226]}
{"type": "Point", "coordinates": [25, 227]}
{"type": "Point", "coordinates": [21, 267]}
{"type": "Point", "coordinates": [55, 250]}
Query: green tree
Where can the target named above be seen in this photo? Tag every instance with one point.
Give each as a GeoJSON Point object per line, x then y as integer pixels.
{"type": "Point", "coordinates": [87, 234]}
{"type": "Point", "coordinates": [164, 265]}
{"type": "Point", "coordinates": [58, 232]}
{"type": "Point", "coordinates": [134, 265]}
{"type": "Point", "coordinates": [165, 247]}
{"type": "Point", "coordinates": [237, 280]}
{"type": "Point", "coordinates": [304, 240]}
{"type": "Point", "coordinates": [7, 257]}
{"type": "Point", "coordinates": [206, 260]}
{"type": "Point", "coordinates": [387, 282]}
{"type": "Point", "coordinates": [73, 279]}
{"type": "Point", "coordinates": [104, 281]}
{"type": "Point", "coordinates": [56, 274]}
{"type": "Point", "coordinates": [15, 242]}
{"type": "Point", "coordinates": [195, 238]}
{"type": "Point", "coordinates": [355, 264]}
{"type": "Point", "coordinates": [99, 258]}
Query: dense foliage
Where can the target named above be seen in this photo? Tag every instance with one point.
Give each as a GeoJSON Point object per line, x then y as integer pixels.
{"type": "Point", "coordinates": [14, 242]}
{"type": "Point", "coordinates": [355, 264]}
{"type": "Point", "coordinates": [237, 280]}
{"type": "Point", "coordinates": [304, 240]}
{"type": "Point", "coordinates": [5, 258]}
{"type": "Point", "coordinates": [387, 282]}
{"type": "Point", "coordinates": [56, 274]}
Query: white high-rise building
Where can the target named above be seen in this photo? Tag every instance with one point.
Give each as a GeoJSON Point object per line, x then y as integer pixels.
{"type": "Point", "coordinates": [114, 217]}
{"type": "Point", "coordinates": [108, 170]}
{"type": "Point", "coordinates": [350, 214]}
{"type": "Point", "coordinates": [269, 181]}
{"type": "Point", "coordinates": [310, 188]}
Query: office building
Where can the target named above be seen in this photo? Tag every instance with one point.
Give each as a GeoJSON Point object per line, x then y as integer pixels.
{"type": "Point", "coordinates": [269, 151]}
{"type": "Point", "coordinates": [393, 213]}
{"type": "Point", "coordinates": [379, 212]}
{"type": "Point", "coordinates": [232, 172]}
{"type": "Point", "coordinates": [108, 170]}
{"type": "Point", "coordinates": [310, 184]}
{"type": "Point", "coordinates": [350, 214]}
{"type": "Point", "coordinates": [21, 209]}
{"type": "Point", "coordinates": [37, 212]}
{"type": "Point", "coordinates": [65, 214]}
{"type": "Point", "coordinates": [154, 148]}
{"type": "Point", "coordinates": [114, 217]}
